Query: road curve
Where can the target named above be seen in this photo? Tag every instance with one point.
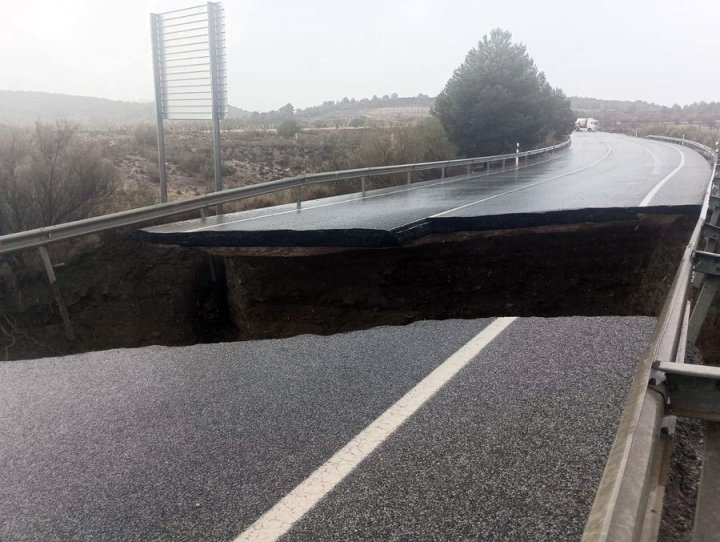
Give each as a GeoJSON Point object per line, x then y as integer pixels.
{"type": "Point", "coordinates": [599, 171]}
{"type": "Point", "coordinates": [202, 442]}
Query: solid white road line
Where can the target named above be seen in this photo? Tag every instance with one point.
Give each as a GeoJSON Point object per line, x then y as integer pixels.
{"type": "Point", "coordinates": [524, 187]}
{"type": "Point", "coordinates": [280, 518]}
{"type": "Point", "coordinates": [646, 200]}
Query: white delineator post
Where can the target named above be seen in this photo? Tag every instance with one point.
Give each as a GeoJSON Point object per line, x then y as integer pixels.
{"type": "Point", "coordinates": [517, 155]}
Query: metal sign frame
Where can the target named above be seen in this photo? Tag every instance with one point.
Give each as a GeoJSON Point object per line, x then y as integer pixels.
{"type": "Point", "coordinates": [189, 63]}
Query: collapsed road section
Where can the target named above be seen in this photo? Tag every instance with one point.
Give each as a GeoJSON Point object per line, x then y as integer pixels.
{"type": "Point", "coordinates": [581, 262]}
{"type": "Point", "coordinates": [596, 262]}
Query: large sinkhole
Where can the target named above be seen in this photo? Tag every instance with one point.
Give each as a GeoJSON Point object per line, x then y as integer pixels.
{"type": "Point", "coordinates": [611, 268]}
{"type": "Point", "coordinates": [125, 293]}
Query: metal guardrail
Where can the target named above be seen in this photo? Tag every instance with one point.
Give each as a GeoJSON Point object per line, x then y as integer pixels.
{"type": "Point", "coordinates": [706, 151]}
{"type": "Point", "coordinates": [43, 236]}
{"type": "Point", "coordinates": [628, 502]}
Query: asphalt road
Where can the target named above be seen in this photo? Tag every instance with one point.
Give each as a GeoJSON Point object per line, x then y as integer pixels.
{"type": "Point", "coordinates": [205, 442]}
{"type": "Point", "coordinates": [599, 171]}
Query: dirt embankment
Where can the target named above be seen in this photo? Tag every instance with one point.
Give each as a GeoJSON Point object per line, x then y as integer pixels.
{"type": "Point", "coordinates": [620, 268]}
{"type": "Point", "coordinates": [124, 294]}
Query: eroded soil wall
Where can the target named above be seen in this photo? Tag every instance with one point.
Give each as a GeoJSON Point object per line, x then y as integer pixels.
{"type": "Point", "coordinates": [126, 294]}
{"type": "Point", "coordinates": [619, 268]}
{"type": "Point", "coordinates": [121, 294]}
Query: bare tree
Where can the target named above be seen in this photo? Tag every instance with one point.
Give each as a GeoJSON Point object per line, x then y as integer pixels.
{"type": "Point", "coordinates": [50, 176]}
{"type": "Point", "coordinates": [15, 198]}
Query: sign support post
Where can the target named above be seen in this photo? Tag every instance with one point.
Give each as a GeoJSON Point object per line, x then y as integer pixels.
{"type": "Point", "coordinates": [157, 55]}
{"type": "Point", "coordinates": [190, 75]}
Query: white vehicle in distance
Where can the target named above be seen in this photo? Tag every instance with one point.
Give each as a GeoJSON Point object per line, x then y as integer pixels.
{"type": "Point", "coordinates": [587, 125]}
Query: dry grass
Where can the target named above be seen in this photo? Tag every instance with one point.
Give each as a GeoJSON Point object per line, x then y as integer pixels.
{"type": "Point", "coordinates": [257, 156]}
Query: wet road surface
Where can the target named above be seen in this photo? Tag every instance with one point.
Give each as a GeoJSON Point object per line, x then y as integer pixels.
{"type": "Point", "coordinates": [599, 171]}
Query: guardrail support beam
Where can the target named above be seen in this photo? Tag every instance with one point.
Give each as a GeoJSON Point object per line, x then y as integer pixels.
{"type": "Point", "coordinates": [298, 197]}
{"type": "Point", "coordinates": [363, 181]}
{"type": "Point", "coordinates": [442, 173]}
{"type": "Point", "coordinates": [693, 391]}
{"type": "Point", "coordinates": [702, 306]}
{"type": "Point", "coordinates": [50, 272]}
{"type": "Point", "coordinates": [712, 231]}
{"type": "Point", "coordinates": [409, 177]}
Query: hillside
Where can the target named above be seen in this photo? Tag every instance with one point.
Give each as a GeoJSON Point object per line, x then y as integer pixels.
{"type": "Point", "coordinates": [381, 108]}
{"type": "Point", "coordinates": [23, 107]}
{"type": "Point", "coordinates": [20, 107]}
{"type": "Point", "coordinates": [622, 114]}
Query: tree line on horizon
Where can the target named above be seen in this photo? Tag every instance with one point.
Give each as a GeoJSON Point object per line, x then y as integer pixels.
{"type": "Point", "coordinates": [24, 107]}
{"type": "Point", "coordinates": [618, 112]}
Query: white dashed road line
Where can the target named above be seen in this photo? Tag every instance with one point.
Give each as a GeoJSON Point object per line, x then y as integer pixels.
{"type": "Point", "coordinates": [419, 186]}
{"type": "Point", "coordinates": [541, 181]}
{"type": "Point", "coordinates": [280, 518]}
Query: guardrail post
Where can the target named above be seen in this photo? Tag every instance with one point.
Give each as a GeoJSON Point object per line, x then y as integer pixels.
{"type": "Point", "coordinates": [409, 177]}
{"type": "Point", "coordinates": [442, 173]}
{"type": "Point", "coordinates": [203, 214]}
{"type": "Point", "coordinates": [526, 159]}
{"type": "Point", "coordinates": [298, 197]}
{"type": "Point", "coordinates": [50, 272]}
{"type": "Point", "coordinates": [468, 169]}
{"type": "Point", "coordinates": [362, 185]}
{"type": "Point", "coordinates": [503, 164]}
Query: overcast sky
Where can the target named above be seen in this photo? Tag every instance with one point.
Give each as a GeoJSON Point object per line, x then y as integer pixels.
{"type": "Point", "coordinates": [308, 51]}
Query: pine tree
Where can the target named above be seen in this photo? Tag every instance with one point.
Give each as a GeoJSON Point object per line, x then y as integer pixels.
{"type": "Point", "coordinates": [498, 98]}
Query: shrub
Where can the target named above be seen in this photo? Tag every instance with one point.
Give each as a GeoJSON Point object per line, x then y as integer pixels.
{"type": "Point", "coordinates": [48, 176]}
{"type": "Point", "coordinates": [288, 127]}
